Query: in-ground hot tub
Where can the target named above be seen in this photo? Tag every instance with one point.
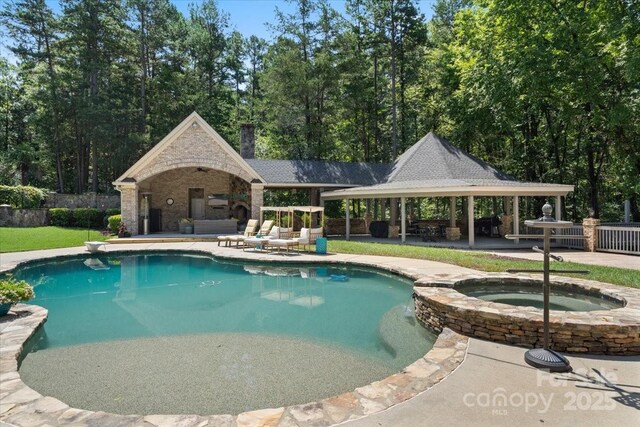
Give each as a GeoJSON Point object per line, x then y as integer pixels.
{"type": "Point", "coordinates": [528, 293]}
{"type": "Point", "coordinates": [590, 317]}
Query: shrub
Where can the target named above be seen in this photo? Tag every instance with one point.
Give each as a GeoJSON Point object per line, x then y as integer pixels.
{"type": "Point", "coordinates": [13, 291]}
{"type": "Point", "coordinates": [87, 217]}
{"type": "Point", "coordinates": [108, 213]}
{"type": "Point", "coordinates": [20, 196]}
{"type": "Point", "coordinates": [60, 217]}
{"type": "Point", "coordinates": [114, 222]}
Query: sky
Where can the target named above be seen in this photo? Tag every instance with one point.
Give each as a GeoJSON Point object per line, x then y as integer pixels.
{"type": "Point", "coordinates": [250, 16]}
{"type": "Point", "coordinates": [247, 16]}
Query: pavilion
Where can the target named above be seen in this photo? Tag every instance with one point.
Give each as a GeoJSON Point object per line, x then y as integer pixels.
{"type": "Point", "coordinates": [434, 168]}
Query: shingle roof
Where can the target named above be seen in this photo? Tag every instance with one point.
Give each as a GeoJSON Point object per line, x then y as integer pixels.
{"type": "Point", "coordinates": [434, 158]}
{"type": "Point", "coordinates": [433, 167]}
{"type": "Point", "coordinates": [319, 172]}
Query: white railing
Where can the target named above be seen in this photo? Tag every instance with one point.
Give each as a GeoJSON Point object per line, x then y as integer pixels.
{"type": "Point", "coordinates": [625, 240]}
{"type": "Point", "coordinates": [620, 224]}
{"type": "Point", "coordinates": [577, 243]}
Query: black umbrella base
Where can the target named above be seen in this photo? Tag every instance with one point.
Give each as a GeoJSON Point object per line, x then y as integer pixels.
{"type": "Point", "coordinates": [549, 360]}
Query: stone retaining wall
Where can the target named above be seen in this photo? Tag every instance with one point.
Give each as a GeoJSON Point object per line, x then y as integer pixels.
{"type": "Point", "coordinates": [615, 331]}
{"type": "Point", "coordinates": [10, 217]}
{"type": "Point", "coordinates": [339, 226]}
{"type": "Point", "coordinates": [86, 200]}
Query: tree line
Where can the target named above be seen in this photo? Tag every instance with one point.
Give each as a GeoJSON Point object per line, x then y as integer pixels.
{"type": "Point", "coordinates": [545, 90]}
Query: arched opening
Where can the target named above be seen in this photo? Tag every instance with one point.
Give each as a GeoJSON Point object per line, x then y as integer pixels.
{"type": "Point", "coordinates": [193, 192]}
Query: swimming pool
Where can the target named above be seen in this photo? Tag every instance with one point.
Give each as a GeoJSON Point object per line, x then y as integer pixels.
{"type": "Point", "coordinates": [184, 333]}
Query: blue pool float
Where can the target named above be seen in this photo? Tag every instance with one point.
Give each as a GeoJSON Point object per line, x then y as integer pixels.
{"type": "Point", "coordinates": [338, 278]}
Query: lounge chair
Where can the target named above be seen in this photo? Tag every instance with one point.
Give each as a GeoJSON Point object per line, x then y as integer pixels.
{"type": "Point", "coordinates": [249, 231]}
{"type": "Point", "coordinates": [275, 233]}
{"type": "Point", "coordinates": [308, 236]}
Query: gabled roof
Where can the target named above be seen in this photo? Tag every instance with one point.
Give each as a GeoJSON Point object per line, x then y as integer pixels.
{"type": "Point", "coordinates": [213, 138]}
{"type": "Point", "coordinates": [434, 157]}
{"type": "Point", "coordinates": [319, 172]}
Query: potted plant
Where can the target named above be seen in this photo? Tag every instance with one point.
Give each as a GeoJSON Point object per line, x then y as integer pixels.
{"type": "Point", "coordinates": [122, 231]}
{"type": "Point", "coordinates": [13, 291]}
{"type": "Point", "coordinates": [187, 225]}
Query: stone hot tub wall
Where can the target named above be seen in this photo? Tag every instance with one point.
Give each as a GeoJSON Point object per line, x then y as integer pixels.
{"type": "Point", "coordinates": [615, 331]}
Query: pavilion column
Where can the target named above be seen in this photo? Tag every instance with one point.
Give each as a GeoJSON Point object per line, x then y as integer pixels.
{"type": "Point", "coordinates": [347, 226]}
{"type": "Point", "coordinates": [257, 200]}
{"type": "Point", "coordinates": [558, 208]}
{"type": "Point", "coordinates": [471, 228]}
{"type": "Point", "coordinates": [516, 218]}
{"type": "Point", "coordinates": [403, 218]}
{"type": "Point", "coordinates": [452, 212]}
{"type": "Point", "coordinates": [393, 207]}
{"type": "Point", "coordinates": [130, 208]}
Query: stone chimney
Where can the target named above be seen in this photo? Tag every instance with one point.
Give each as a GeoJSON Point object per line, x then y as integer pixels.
{"type": "Point", "coordinates": [247, 141]}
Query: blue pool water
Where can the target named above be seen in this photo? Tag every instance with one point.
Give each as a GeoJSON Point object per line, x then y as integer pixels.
{"type": "Point", "coordinates": [108, 298]}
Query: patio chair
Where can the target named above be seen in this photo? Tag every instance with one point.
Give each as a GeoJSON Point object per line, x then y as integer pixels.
{"type": "Point", "coordinates": [308, 237]}
{"type": "Point", "coordinates": [249, 231]}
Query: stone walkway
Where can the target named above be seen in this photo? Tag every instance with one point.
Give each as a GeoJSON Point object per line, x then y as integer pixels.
{"type": "Point", "coordinates": [493, 386]}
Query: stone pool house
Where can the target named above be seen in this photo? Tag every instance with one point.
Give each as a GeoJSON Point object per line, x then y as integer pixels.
{"type": "Point", "coordinates": [194, 173]}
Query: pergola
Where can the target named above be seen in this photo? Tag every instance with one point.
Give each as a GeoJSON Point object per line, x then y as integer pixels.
{"type": "Point", "coordinates": [435, 168]}
{"type": "Point", "coordinates": [289, 210]}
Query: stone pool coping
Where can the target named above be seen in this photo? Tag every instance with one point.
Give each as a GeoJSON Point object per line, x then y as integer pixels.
{"type": "Point", "coordinates": [24, 406]}
{"type": "Point", "coordinates": [615, 331]}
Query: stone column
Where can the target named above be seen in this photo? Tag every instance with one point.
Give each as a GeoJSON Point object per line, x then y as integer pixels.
{"type": "Point", "coordinates": [129, 208]}
{"type": "Point", "coordinates": [393, 211]}
{"type": "Point", "coordinates": [507, 223]}
{"type": "Point", "coordinates": [452, 212]}
{"type": "Point", "coordinates": [347, 220]}
{"type": "Point", "coordinates": [558, 208]}
{"type": "Point", "coordinates": [589, 229]}
{"type": "Point", "coordinates": [257, 199]}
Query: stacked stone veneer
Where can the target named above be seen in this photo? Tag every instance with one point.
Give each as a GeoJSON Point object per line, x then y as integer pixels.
{"type": "Point", "coordinates": [86, 200]}
{"type": "Point", "coordinates": [339, 226]}
{"type": "Point", "coordinates": [615, 331]}
{"type": "Point", "coordinates": [175, 184]}
{"type": "Point", "coordinates": [10, 217]}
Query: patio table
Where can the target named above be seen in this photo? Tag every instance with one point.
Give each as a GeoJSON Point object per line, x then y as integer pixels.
{"type": "Point", "coordinates": [282, 243]}
{"type": "Point", "coordinates": [258, 243]}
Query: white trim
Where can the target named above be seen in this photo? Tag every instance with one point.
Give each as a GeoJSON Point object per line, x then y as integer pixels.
{"type": "Point", "coordinates": [306, 185]}
{"type": "Point", "coordinates": [516, 218]}
{"type": "Point", "coordinates": [403, 220]}
{"type": "Point", "coordinates": [121, 185]}
{"type": "Point", "coordinates": [471, 226]}
{"type": "Point", "coordinates": [373, 193]}
{"type": "Point", "coordinates": [173, 135]}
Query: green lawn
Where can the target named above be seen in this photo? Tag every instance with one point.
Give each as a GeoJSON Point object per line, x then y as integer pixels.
{"type": "Point", "coordinates": [13, 239]}
{"type": "Point", "coordinates": [18, 239]}
{"type": "Point", "coordinates": [484, 261]}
